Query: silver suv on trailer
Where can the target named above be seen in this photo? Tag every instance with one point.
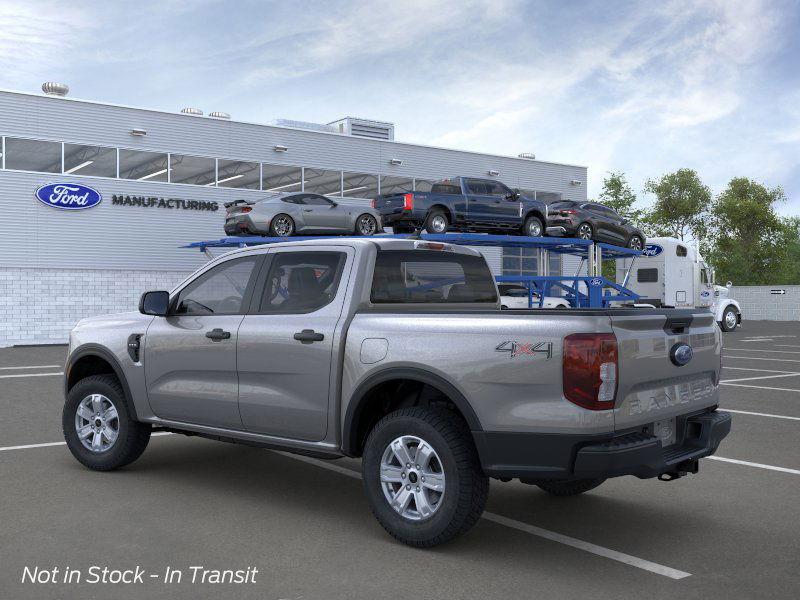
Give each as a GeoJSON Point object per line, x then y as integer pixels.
{"type": "Point", "coordinates": [397, 351]}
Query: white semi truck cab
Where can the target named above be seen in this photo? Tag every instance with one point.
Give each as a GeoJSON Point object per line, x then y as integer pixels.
{"type": "Point", "coordinates": [672, 273]}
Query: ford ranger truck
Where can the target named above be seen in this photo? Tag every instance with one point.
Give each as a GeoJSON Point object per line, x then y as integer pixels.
{"type": "Point", "coordinates": [464, 204]}
{"type": "Point", "coordinates": [397, 351]}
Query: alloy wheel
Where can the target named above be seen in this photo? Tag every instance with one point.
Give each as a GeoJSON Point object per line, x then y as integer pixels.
{"type": "Point", "coordinates": [412, 478]}
{"type": "Point", "coordinates": [366, 225]}
{"type": "Point", "coordinates": [97, 423]}
{"type": "Point", "coordinates": [283, 226]}
{"type": "Point", "coordinates": [534, 228]}
{"type": "Point", "coordinates": [585, 231]}
{"type": "Point", "coordinates": [439, 224]}
{"type": "Point", "coordinates": [635, 243]}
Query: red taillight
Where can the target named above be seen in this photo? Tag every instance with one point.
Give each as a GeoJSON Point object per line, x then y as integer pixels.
{"type": "Point", "coordinates": [408, 201]}
{"type": "Point", "coordinates": [246, 209]}
{"type": "Point", "coordinates": [568, 212]}
{"type": "Point", "coordinates": [590, 370]}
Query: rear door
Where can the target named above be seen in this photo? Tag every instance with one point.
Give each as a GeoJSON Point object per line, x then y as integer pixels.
{"type": "Point", "coordinates": [285, 343]}
{"type": "Point", "coordinates": [480, 203]}
{"type": "Point", "coordinates": [652, 387]}
{"type": "Point", "coordinates": [190, 356]}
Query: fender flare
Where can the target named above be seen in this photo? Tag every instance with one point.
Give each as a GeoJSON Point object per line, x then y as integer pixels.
{"type": "Point", "coordinates": [108, 356]}
{"type": "Point", "coordinates": [357, 400]}
{"type": "Point", "coordinates": [724, 306]}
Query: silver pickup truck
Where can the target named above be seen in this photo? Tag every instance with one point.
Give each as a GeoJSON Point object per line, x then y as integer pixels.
{"type": "Point", "coordinates": [397, 351]}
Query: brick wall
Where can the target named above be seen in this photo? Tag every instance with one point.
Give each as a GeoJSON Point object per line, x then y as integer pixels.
{"type": "Point", "coordinates": [759, 304]}
{"type": "Point", "coordinates": [40, 306]}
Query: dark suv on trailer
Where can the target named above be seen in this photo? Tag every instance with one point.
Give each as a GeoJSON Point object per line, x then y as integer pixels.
{"type": "Point", "coordinates": [593, 221]}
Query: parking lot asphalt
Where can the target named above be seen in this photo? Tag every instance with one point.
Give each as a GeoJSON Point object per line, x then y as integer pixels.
{"type": "Point", "coordinates": [732, 531]}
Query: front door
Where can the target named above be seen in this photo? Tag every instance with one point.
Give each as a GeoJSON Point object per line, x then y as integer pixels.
{"type": "Point", "coordinates": [323, 214]}
{"type": "Point", "coordinates": [286, 342]}
{"type": "Point", "coordinates": [190, 355]}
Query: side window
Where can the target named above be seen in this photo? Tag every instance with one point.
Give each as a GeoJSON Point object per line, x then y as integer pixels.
{"type": "Point", "coordinates": [681, 251]}
{"type": "Point", "coordinates": [295, 199]}
{"type": "Point", "coordinates": [315, 200]}
{"type": "Point", "coordinates": [495, 188]}
{"type": "Point", "coordinates": [301, 282]}
{"type": "Point", "coordinates": [647, 275]}
{"type": "Point", "coordinates": [445, 186]}
{"type": "Point", "coordinates": [476, 186]}
{"type": "Point", "coordinates": [218, 291]}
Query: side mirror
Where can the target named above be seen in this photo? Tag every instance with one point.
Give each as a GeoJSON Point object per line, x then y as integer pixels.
{"type": "Point", "coordinates": [334, 204]}
{"type": "Point", "coordinates": [729, 285]}
{"type": "Point", "coordinates": [154, 303]}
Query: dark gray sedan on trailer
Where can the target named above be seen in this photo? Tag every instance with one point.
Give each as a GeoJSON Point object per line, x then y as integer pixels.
{"type": "Point", "coordinates": [287, 214]}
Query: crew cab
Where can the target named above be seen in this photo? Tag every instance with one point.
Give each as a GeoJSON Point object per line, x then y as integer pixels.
{"type": "Point", "coordinates": [464, 204]}
{"type": "Point", "coordinates": [397, 351]}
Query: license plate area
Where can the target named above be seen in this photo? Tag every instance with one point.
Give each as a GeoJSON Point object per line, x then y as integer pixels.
{"type": "Point", "coordinates": [666, 431]}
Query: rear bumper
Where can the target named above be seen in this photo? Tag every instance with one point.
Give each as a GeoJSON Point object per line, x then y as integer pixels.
{"type": "Point", "coordinates": [567, 456]}
{"type": "Point", "coordinates": [244, 225]}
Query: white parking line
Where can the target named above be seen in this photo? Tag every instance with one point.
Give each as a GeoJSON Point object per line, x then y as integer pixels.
{"type": "Point", "coordinates": [758, 350]}
{"type": "Point", "coordinates": [31, 375]}
{"type": "Point", "coordinates": [760, 377]}
{"type": "Point", "coordinates": [31, 367]}
{"type": "Point", "coordinates": [769, 359]}
{"type": "Point", "coordinates": [752, 369]}
{"type": "Point", "coordinates": [49, 444]}
{"type": "Point", "coordinates": [752, 464]}
{"type": "Point", "coordinates": [786, 346]}
{"type": "Point", "coordinates": [755, 414]}
{"type": "Point", "coordinates": [760, 387]}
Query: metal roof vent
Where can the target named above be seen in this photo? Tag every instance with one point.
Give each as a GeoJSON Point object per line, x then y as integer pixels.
{"type": "Point", "coordinates": [377, 130]}
{"type": "Point", "coordinates": [51, 88]}
{"type": "Point", "coordinates": [192, 111]}
{"type": "Point", "coordinates": [527, 155]}
{"type": "Point", "coordinates": [219, 115]}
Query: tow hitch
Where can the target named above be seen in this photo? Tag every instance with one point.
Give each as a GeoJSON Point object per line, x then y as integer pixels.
{"type": "Point", "coordinates": [688, 467]}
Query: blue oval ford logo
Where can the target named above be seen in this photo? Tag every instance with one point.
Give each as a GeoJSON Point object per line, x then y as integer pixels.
{"type": "Point", "coordinates": [681, 354]}
{"type": "Point", "coordinates": [595, 282]}
{"type": "Point", "coordinates": [68, 196]}
{"type": "Point", "coordinates": [652, 250]}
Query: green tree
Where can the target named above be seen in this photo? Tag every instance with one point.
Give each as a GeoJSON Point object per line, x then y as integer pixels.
{"type": "Point", "coordinates": [618, 195]}
{"type": "Point", "coordinates": [681, 205]}
{"type": "Point", "coordinates": [749, 243]}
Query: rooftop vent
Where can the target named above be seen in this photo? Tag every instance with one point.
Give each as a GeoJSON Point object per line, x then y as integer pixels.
{"type": "Point", "coordinates": [51, 88]}
{"type": "Point", "coordinates": [527, 155]}
{"type": "Point", "coordinates": [377, 130]}
{"type": "Point", "coordinates": [303, 125]}
{"type": "Point", "coordinates": [192, 111]}
{"type": "Point", "coordinates": [219, 115]}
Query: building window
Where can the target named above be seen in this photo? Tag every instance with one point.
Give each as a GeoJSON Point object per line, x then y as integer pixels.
{"type": "Point", "coordinates": [96, 161]}
{"type": "Point", "coordinates": [520, 261]}
{"type": "Point", "coordinates": [280, 178]}
{"type": "Point", "coordinates": [143, 166]}
{"type": "Point", "coordinates": [237, 174]}
{"type": "Point", "coordinates": [423, 185]}
{"type": "Point", "coordinates": [359, 185]}
{"type": "Point", "coordinates": [321, 181]}
{"type": "Point", "coordinates": [33, 155]}
{"type": "Point", "coordinates": [396, 185]}
{"type": "Point", "coordinates": [194, 170]}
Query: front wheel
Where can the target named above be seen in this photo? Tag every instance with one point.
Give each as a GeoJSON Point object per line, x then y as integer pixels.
{"type": "Point", "coordinates": [98, 426]}
{"type": "Point", "coordinates": [366, 225]}
{"type": "Point", "coordinates": [569, 488]}
{"type": "Point", "coordinates": [533, 227]}
{"type": "Point", "coordinates": [730, 320]}
{"type": "Point", "coordinates": [635, 243]}
{"type": "Point", "coordinates": [422, 476]}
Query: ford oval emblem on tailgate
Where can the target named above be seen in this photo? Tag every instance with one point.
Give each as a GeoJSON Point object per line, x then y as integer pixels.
{"type": "Point", "coordinates": [681, 354]}
{"type": "Point", "coordinates": [68, 196]}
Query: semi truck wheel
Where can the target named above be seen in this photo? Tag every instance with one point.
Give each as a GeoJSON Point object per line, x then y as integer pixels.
{"type": "Point", "coordinates": [98, 427]}
{"type": "Point", "coordinates": [422, 476]}
{"type": "Point", "coordinates": [569, 488]}
{"type": "Point", "coordinates": [730, 319]}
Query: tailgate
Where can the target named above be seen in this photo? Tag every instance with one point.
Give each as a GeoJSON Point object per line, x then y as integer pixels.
{"type": "Point", "coordinates": [652, 388]}
{"type": "Point", "coordinates": [394, 203]}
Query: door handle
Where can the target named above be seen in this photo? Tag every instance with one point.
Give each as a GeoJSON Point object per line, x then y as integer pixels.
{"type": "Point", "coordinates": [308, 335]}
{"type": "Point", "coordinates": [217, 335]}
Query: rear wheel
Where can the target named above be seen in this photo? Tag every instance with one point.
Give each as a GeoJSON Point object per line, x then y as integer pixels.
{"type": "Point", "coordinates": [281, 226]}
{"type": "Point", "coordinates": [98, 426]}
{"type": "Point", "coordinates": [533, 227]}
{"type": "Point", "coordinates": [584, 232]}
{"type": "Point", "coordinates": [422, 476]}
{"type": "Point", "coordinates": [437, 221]}
{"type": "Point", "coordinates": [366, 225]}
{"type": "Point", "coordinates": [730, 319]}
{"type": "Point", "coordinates": [569, 488]}
{"type": "Point", "coordinates": [635, 243]}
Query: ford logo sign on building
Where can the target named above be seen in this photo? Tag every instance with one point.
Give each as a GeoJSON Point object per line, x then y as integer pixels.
{"type": "Point", "coordinates": [68, 196]}
{"type": "Point", "coordinates": [652, 250]}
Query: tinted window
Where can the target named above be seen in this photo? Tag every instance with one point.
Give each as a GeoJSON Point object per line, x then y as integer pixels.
{"type": "Point", "coordinates": [196, 170]}
{"type": "Point", "coordinates": [238, 174]}
{"type": "Point", "coordinates": [426, 185]}
{"type": "Point", "coordinates": [90, 160]}
{"type": "Point", "coordinates": [360, 185]}
{"type": "Point", "coordinates": [430, 276]}
{"type": "Point", "coordinates": [446, 186]}
{"type": "Point", "coordinates": [396, 185]}
{"type": "Point", "coordinates": [219, 291]}
{"type": "Point", "coordinates": [301, 282]}
{"type": "Point", "coordinates": [562, 204]}
{"type": "Point", "coordinates": [495, 188]}
{"type": "Point", "coordinates": [321, 181]}
{"type": "Point", "coordinates": [476, 186]}
{"type": "Point", "coordinates": [144, 166]}
{"type": "Point", "coordinates": [317, 200]}
{"type": "Point", "coordinates": [280, 178]}
{"type": "Point", "coordinates": [681, 251]}
{"type": "Point", "coordinates": [647, 275]}
{"type": "Point", "coordinates": [33, 155]}
{"type": "Point", "coordinates": [294, 199]}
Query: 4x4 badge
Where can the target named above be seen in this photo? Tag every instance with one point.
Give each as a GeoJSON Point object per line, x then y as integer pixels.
{"type": "Point", "coordinates": [515, 348]}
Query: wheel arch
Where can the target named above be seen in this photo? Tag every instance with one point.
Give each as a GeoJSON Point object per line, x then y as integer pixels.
{"type": "Point", "coordinates": [720, 313]}
{"type": "Point", "coordinates": [92, 359]}
{"type": "Point", "coordinates": [364, 398]}
{"type": "Point", "coordinates": [448, 212]}
{"type": "Point", "coordinates": [535, 212]}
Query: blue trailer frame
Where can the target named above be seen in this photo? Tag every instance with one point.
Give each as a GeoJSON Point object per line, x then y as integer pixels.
{"type": "Point", "coordinates": [599, 291]}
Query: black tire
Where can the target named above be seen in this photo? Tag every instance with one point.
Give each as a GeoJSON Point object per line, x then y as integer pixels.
{"type": "Point", "coordinates": [727, 318]}
{"type": "Point", "coordinates": [132, 437]}
{"type": "Point", "coordinates": [583, 226]}
{"type": "Point", "coordinates": [274, 233]}
{"type": "Point", "coordinates": [359, 228]}
{"type": "Point", "coordinates": [466, 485]}
{"type": "Point", "coordinates": [433, 219]}
{"type": "Point", "coordinates": [532, 224]}
{"type": "Point", "coordinates": [569, 488]}
{"type": "Point", "coordinates": [636, 242]}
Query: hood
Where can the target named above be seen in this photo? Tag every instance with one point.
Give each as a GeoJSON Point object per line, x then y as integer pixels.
{"type": "Point", "coordinates": [720, 291]}
{"type": "Point", "coordinates": [114, 320]}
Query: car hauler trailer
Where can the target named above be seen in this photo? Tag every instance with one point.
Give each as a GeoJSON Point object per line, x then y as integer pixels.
{"type": "Point", "coordinates": [671, 273]}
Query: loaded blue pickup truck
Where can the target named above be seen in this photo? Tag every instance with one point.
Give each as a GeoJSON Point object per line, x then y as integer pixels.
{"type": "Point", "coordinates": [464, 204]}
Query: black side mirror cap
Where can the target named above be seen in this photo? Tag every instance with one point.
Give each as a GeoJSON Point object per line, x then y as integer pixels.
{"type": "Point", "coordinates": [154, 303]}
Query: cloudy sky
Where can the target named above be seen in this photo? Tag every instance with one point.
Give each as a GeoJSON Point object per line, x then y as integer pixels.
{"type": "Point", "coordinates": [641, 87]}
